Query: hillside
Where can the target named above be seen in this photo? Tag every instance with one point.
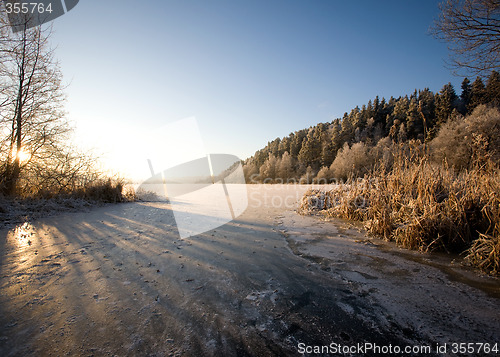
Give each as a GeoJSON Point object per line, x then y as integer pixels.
{"type": "Point", "coordinates": [362, 138]}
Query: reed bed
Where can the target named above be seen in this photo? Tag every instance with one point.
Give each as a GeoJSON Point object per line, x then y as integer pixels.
{"type": "Point", "coordinates": [423, 206]}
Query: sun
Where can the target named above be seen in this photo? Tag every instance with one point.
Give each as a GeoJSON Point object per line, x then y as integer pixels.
{"type": "Point", "coordinates": [23, 156]}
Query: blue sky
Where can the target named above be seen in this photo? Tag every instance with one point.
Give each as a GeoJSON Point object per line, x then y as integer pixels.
{"type": "Point", "coordinates": [249, 71]}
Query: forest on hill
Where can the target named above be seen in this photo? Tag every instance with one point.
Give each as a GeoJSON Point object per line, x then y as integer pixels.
{"type": "Point", "coordinates": [421, 170]}
{"type": "Point", "coordinates": [365, 137]}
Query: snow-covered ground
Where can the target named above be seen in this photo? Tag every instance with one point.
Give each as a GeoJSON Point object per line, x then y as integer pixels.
{"type": "Point", "coordinates": [119, 280]}
{"type": "Point", "coordinates": [14, 212]}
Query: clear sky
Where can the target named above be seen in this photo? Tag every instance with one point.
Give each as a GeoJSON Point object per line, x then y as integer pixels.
{"type": "Point", "coordinates": [248, 70]}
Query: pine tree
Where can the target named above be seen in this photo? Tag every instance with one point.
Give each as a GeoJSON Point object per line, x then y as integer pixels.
{"type": "Point", "coordinates": [284, 145]}
{"type": "Point", "coordinates": [327, 153]}
{"type": "Point", "coordinates": [414, 123]}
{"type": "Point", "coordinates": [310, 153]}
{"type": "Point", "coordinates": [260, 157]}
{"type": "Point", "coordinates": [369, 110]}
{"type": "Point", "coordinates": [397, 116]}
{"type": "Point", "coordinates": [493, 88]}
{"type": "Point", "coordinates": [296, 143]}
{"type": "Point", "coordinates": [347, 133]}
{"type": "Point", "coordinates": [273, 147]}
{"type": "Point", "coordinates": [336, 138]}
{"type": "Point", "coordinates": [465, 96]}
{"type": "Point", "coordinates": [445, 103]}
{"type": "Point", "coordinates": [401, 109]}
{"type": "Point", "coordinates": [477, 96]}
{"type": "Point", "coordinates": [358, 122]}
{"type": "Point", "coordinates": [385, 109]}
{"type": "Point", "coordinates": [377, 113]}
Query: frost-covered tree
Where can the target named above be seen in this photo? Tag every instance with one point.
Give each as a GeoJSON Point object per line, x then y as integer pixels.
{"type": "Point", "coordinates": [251, 171]}
{"type": "Point", "coordinates": [310, 153]}
{"type": "Point", "coordinates": [296, 143]}
{"type": "Point", "coordinates": [353, 160]}
{"type": "Point", "coordinates": [267, 171]}
{"type": "Point", "coordinates": [286, 168]}
{"type": "Point", "coordinates": [284, 145]}
{"type": "Point", "coordinates": [455, 140]}
{"type": "Point", "coordinates": [324, 176]}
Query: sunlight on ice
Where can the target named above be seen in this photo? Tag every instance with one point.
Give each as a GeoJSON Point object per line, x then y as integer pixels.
{"type": "Point", "coordinates": [22, 235]}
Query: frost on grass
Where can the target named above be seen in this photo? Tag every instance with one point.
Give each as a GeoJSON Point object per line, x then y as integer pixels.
{"type": "Point", "coordinates": [423, 206]}
{"type": "Point", "coordinates": [14, 211]}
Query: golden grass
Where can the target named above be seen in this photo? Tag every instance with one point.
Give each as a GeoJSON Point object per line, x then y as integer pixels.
{"type": "Point", "coordinates": [424, 206]}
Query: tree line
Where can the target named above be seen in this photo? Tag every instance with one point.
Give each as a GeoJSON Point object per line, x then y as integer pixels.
{"type": "Point", "coordinates": [361, 138]}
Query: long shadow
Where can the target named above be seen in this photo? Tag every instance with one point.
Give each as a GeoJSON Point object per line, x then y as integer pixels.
{"type": "Point", "coordinates": [119, 280]}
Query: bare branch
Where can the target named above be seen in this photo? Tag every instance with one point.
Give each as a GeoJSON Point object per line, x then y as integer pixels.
{"type": "Point", "coordinates": [472, 30]}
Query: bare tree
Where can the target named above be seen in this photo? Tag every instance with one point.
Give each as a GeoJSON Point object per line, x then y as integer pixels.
{"type": "Point", "coordinates": [31, 102]}
{"type": "Point", "coordinates": [472, 29]}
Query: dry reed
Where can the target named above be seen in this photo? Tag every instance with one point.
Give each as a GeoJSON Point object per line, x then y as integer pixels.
{"type": "Point", "coordinates": [424, 206]}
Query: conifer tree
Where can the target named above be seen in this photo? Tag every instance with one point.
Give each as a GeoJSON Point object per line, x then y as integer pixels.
{"type": "Point", "coordinates": [347, 133]}
{"type": "Point", "coordinates": [465, 96]}
{"type": "Point", "coordinates": [445, 103]}
{"type": "Point", "coordinates": [493, 88]}
{"type": "Point", "coordinates": [284, 145]}
{"type": "Point", "coordinates": [397, 116]}
{"type": "Point", "coordinates": [377, 113]}
{"type": "Point", "coordinates": [310, 153]}
{"type": "Point", "coordinates": [418, 116]}
{"type": "Point", "coordinates": [296, 143]}
{"type": "Point", "coordinates": [260, 157]}
{"type": "Point", "coordinates": [250, 171]}
{"type": "Point", "coordinates": [327, 153]}
{"type": "Point", "coordinates": [477, 96]}
{"type": "Point", "coordinates": [414, 123]}
{"type": "Point", "coordinates": [336, 139]}
{"type": "Point", "coordinates": [384, 110]}
{"type": "Point", "coordinates": [357, 119]}
{"type": "Point", "coordinates": [273, 146]}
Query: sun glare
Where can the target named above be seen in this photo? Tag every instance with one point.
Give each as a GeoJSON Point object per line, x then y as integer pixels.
{"type": "Point", "coordinates": [22, 155]}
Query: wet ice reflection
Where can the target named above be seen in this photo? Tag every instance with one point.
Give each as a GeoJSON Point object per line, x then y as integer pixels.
{"type": "Point", "coordinates": [22, 235]}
